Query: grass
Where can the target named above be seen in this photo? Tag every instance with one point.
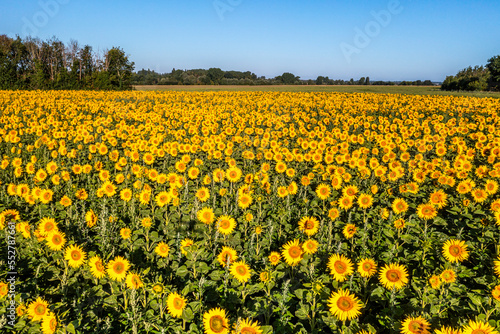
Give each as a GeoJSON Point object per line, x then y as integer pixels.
{"type": "Point", "coordinates": [413, 90]}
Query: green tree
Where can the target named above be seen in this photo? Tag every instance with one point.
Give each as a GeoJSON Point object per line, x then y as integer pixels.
{"type": "Point", "coordinates": [119, 69]}
{"type": "Point", "coordinates": [493, 66]}
{"type": "Point", "coordinates": [288, 78]}
{"type": "Point", "coordinates": [214, 76]}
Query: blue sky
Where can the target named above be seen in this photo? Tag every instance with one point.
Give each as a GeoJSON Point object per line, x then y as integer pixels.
{"type": "Point", "coordinates": [382, 39]}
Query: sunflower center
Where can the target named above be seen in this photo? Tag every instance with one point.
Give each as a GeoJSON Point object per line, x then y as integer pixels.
{"type": "Point", "coordinates": [76, 255]}
{"type": "Point", "coordinates": [99, 266]}
{"type": "Point", "coordinates": [178, 303]}
{"type": "Point", "coordinates": [367, 266]}
{"type": "Point", "coordinates": [224, 224]}
{"type": "Point", "coordinates": [309, 225]}
{"type": "Point", "coordinates": [455, 250]}
{"type": "Point", "coordinates": [414, 326]}
{"type": "Point", "coordinates": [118, 268]}
{"type": "Point", "coordinates": [393, 276]}
{"type": "Point", "coordinates": [53, 324]}
{"type": "Point", "coordinates": [40, 309]}
{"type": "Point", "coordinates": [294, 252]}
{"type": "Point", "coordinates": [217, 324]}
{"type": "Point", "coordinates": [248, 330]}
{"type": "Point", "coordinates": [340, 267]}
{"type": "Point", "coordinates": [345, 304]}
{"type": "Point", "coordinates": [241, 270]}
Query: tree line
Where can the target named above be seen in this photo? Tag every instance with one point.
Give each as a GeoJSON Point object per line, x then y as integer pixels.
{"type": "Point", "coordinates": [31, 63]}
{"type": "Point", "coordinates": [477, 78]}
{"type": "Point", "coordinates": [216, 76]}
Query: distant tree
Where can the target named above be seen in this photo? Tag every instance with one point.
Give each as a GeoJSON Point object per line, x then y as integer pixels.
{"type": "Point", "coordinates": [214, 76]}
{"type": "Point", "coordinates": [493, 66]}
{"type": "Point", "coordinates": [468, 79]}
{"type": "Point", "coordinates": [361, 81]}
{"type": "Point", "coordinates": [320, 80]}
{"type": "Point", "coordinates": [367, 82]}
{"type": "Point", "coordinates": [288, 78]}
{"type": "Point", "coordinates": [119, 68]}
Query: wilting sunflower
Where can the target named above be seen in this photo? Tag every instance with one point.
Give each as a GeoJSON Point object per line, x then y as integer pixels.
{"type": "Point", "coordinates": [435, 281]}
{"type": "Point", "coordinates": [367, 267]}
{"type": "Point", "coordinates": [38, 309]}
{"type": "Point", "coordinates": [426, 211]}
{"type": "Point", "coordinates": [292, 252]}
{"type": "Point", "coordinates": [117, 268]}
{"type": "Point", "coordinates": [227, 254]}
{"type": "Point", "coordinates": [309, 225]}
{"type": "Point", "coordinates": [455, 250]}
{"type": "Point", "coordinates": [175, 304]}
{"type": "Point", "coordinates": [415, 325]}
{"type": "Point", "coordinates": [447, 330]}
{"type": "Point", "coordinates": [215, 321]}
{"type": "Point", "coordinates": [56, 240]}
{"type": "Point", "coordinates": [274, 258]}
{"type": "Point", "coordinates": [246, 326]}
{"type": "Point", "coordinates": [478, 327]}
{"type": "Point", "coordinates": [323, 191]}
{"type": "Point", "coordinates": [344, 305]}
{"type": "Point", "coordinates": [448, 276]}
{"type": "Point", "coordinates": [162, 249]}
{"type": "Point", "coordinates": [133, 281]}
{"type": "Point", "coordinates": [97, 267]}
{"type": "Point", "coordinates": [241, 271]}
{"type": "Point", "coordinates": [393, 276]}
{"type": "Point", "coordinates": [206, 216]}
{"type": "Point", "coordinates": [49, 323]}
{"type": "Point", "coordinates": [184, 244]}
{"type": "Point", "coordinates": [365, 201]}
{"type": "Point", "coordinates": [75, 256]}
{"type": "Point", "coordinates": [340, 267]}
{"type": "Point", "coordinates": [349, 231]}
{"type": "Point", "coordinates": [226, 224]}
{"type": "Point", "coordinates": [310, 246]}
{"type": "Point", "coordinates": [399, 205]}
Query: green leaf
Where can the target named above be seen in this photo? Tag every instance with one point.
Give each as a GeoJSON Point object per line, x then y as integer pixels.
{"type": "Point", "coordinates": [182, 271]}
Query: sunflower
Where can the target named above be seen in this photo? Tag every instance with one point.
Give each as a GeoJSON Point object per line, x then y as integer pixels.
{"type": "Point", "coordinates": [448, 276]}
{"type": "Point", "coordinates": [323, 191]}
{"type": "Point", "coordinates": [206, 216]}
{"type": "Point", "coordinates": [478, 327]}
{"type": "Point", "coordinates": [491, 187]}
{"type": "Point", "coordinates": [162, 249]}
{"type": "Point", "coordinates": [344, 305]}
{"type": "Point", "coordinates": [309, 225]}
{"type": "Point", "coordinates": [246, 326]}
{"type": "Point", "coordinates": [292, 188]}
{"type": "Point", "coordinates": [426, 211]}
{"type": "Point", "coordinates": [91, 218]}
{"type": "Point", "coordinates": [56, 240]}
{"type": "Point", "coordinates": [97, 268]}
{"type": "Point", "coordinates": [367, 267]}
{"type": "Point", "coordinates": [163, 198]}
{"type": "Point", "coordinates": [393, 276]}
{"type": "Point", "coordinates": [158, 289]}
{"type": "Point", "coordinates": [349, 231]}
{"type": "Point", "coordinates": [75, 256]}
{"type": "Point", "coordinates": [47, 225]}
{"type": "Point", "coordinates": [193, 172]}
{"type": "Point", "coordinates": [117, 268]}
{"type": "Point", "coordinates": [455, 250]}
{"type": "Point", "coordinates": [125, 233]}
{"type": "Point", "coordinates": [215, 321]}
{"type": "Point", "coordinates": [4, 289]}
{"type": "Point", "coordinates": [282, 192]}
{"type": "Point", "coordinates": [233, 174]}
{"type": "Point", "coordinates": [175, 304]}
{"type": "Point", "coordinates": [203, 194]}
{"type": "Point", "coordinates": [227, 255]}
{"type": "Point", "coordinates": [226, 225]}
{"type": "Point", "coordinates": [244, 200]}
{"type": "Point", "coordinates": [365, 201]}
{"type": "Point", "coordinates": [241, 271]}
{"type": "Point", "coordinates": [145, 197]}
{"type": "Point", "coordinates": [435, 281]}
{"type": "Point", "coordinates": [345, 202]}
{"type": "Point", "coordinates": [496, 266]}
{"type": "Point", "coordinates": [310, 246]}
{"type": "Point", "coordinates": [274, 258]}
{"type": "Point", "coordinates": [496, 292]}
{"type": "Point", "coordinates": [479, 195]}
{"type": "Point", "coordinates": [184, 244]}
{"type": "Point", "coordinates": [133, 281]}
{"type": "Point", "coordinates": [350, 191]}
{"type": "Point", "coordinates": [109, 188]}
{"type": "Point", "coordinates": [438, 198]}
{"type": "Point", "coordinates": [49, 323]}
{"type": "Point", "coordinates": [38, 309]}
{"type": "Point", "coordinates": [447, 330]}
{"type": "Point", "coordinates": [340, 267]}
{"type": "Point", "coordinates": [415, 325]}
{"type": "Point", "coordinates": [292, 252]}
{"type": "Point", "coordinates": [399, 205]}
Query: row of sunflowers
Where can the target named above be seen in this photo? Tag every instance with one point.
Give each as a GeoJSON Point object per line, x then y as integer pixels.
{"type": "Point", "coordinates": [249, 212]}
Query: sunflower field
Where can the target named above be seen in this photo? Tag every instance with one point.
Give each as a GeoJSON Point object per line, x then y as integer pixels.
{"type": "Point", "coordinates": [248, 212]}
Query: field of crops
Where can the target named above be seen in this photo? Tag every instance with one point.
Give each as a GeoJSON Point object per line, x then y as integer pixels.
{"type": "Point", "coordinates": [249, 212]}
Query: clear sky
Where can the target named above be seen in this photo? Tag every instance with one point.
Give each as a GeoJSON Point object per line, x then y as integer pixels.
{"type": "Point", "coordinates": [382, 39]}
